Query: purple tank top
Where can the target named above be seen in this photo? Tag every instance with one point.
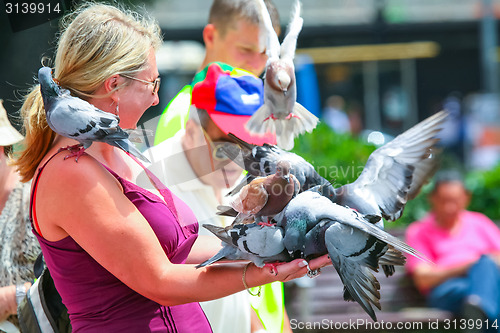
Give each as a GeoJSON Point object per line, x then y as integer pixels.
{"type": "Point", "coordinates": [98, 302]}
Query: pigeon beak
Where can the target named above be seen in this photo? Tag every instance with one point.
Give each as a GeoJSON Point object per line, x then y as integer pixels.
{"type": "Point", "coordinates": [284, 92]}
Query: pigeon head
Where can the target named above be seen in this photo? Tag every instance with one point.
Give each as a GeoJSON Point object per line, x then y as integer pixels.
{"type": "Point", "coordinates": [294, 239]}
{"type": "Point", "coordinates": [283, 169]}
{"type": "Point", "coordinates": [283, 80]}
{"type": "Point", "coordinates": [48, 87]}
{"type": "Point", "coordinates": [295, 232]}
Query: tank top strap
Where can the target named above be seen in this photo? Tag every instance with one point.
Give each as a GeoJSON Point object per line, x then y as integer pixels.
{"type": "Point", "coordinates": [32, 213]}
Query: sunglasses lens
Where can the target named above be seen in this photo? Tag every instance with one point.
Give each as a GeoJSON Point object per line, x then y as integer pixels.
{"type": "Point", "coordinates": [219, 153]}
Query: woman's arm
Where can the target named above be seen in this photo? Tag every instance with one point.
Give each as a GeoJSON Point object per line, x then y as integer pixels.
{"type": "Point", "coordinates": [203, 248]}
{"type": "Point", "coordinates": [83, 200]}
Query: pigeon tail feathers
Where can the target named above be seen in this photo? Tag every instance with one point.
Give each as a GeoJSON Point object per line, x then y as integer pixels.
{"type": "Point", "coordinates": [225, 252]}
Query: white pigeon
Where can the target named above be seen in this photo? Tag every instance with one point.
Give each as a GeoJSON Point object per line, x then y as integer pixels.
{"type": "Point", "coordinates": [280, 113]}
{"type": "Point", "coordinates": [77, 119]}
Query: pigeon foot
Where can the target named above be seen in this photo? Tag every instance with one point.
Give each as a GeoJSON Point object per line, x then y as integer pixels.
{"type": "Point", "coordinates": [267, 224]}
{"type": "Point", "coordinates": [292, 115]}
{"type": "Point", "coordinates": [270, 117]}
{"type": "Point", "coordinates": [273, 266]}
{"type": "Point", "coordinates": [76, 151]}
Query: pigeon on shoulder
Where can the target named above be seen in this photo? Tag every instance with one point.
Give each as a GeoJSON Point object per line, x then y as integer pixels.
{"type": "Point", "coordinates": [77, 119]}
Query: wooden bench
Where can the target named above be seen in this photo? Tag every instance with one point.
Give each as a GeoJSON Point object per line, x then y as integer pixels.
{"type": "Point", "coordinates": [322, 305]}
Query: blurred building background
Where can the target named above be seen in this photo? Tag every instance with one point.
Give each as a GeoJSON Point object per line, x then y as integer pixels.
{"type": "Point", "coordinates": [391, 62]}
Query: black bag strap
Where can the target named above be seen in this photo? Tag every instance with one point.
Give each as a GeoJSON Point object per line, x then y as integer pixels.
{"type": "Point", "coordinates": [38, 266]}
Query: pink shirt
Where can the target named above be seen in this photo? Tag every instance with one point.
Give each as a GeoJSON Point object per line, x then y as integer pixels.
{"type": "Point", "coordinates": [476, 235]}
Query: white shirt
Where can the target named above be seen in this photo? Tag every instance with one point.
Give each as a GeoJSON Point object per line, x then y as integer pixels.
{"type": "Point", "coordinates": [169, 163]}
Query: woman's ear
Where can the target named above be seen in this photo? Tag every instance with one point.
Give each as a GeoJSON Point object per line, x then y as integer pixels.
{"type": "Point", "coordinates": [110, 86]}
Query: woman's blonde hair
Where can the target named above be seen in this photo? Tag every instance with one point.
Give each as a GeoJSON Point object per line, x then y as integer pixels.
{"type": "Point", "coordinates": [96, 42]}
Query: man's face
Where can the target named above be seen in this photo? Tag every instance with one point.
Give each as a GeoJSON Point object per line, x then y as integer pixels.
{"type": "Point", "coordinates": [447, 201]}
{"type": "Point", "coordinates": [240, 47]}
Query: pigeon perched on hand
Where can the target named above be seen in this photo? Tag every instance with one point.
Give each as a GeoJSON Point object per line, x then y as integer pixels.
{"type": "Point", "coordinates": [267, 196]}
{"type": "Point", "coordinates": [257, 243]}
{"type": "Point", "coordinates": [77, 119]}
{"type": "Point", "coordinates": [280, 113]}
{"type": "Point", "coordinates": [315, 226]}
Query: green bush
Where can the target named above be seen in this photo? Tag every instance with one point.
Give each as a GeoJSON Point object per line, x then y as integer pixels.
{"type": "Point", "coordinates": [485, 189]}
{"type": "Point", "coordinates": [339, 158]}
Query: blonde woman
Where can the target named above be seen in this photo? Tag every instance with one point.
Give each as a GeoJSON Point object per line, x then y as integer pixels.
{"type": "Point", "coordinates": [118, 252]}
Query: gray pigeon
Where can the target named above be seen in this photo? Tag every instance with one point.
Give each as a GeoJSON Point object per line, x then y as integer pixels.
{"type": "Point", "coordinates": [393, 174]}
{"type": "Point", "coordinates": [254, 242]}
{"type": "Point", "coordinates": [77, 119]}
{"type": "Point", "coordinates": [355, 245]}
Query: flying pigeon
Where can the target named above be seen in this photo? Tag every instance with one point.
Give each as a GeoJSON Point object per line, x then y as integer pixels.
{"type": "Point", "coordinates": [250, 241]}
{"type": "Point", "coordinates": [77, 119]}
{"type": "Point", "coordinates": [313, 226]}
{"type": "Point", "coordinates": [393, 174]}
{"type": "Point", "coordinates": [267, 196]}
{"type": "Point", "coordinates": [280, 113]}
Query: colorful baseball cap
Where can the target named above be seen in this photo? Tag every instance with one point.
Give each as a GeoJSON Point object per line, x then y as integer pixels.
{"type": "Point", "coordinates": [230, 96]}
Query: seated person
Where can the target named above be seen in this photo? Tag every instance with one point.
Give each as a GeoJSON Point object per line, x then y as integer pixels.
{"type": "Point", "coordinates": [464, 248]}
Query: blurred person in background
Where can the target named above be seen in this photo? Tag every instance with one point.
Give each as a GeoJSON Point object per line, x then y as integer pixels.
{"type": "Point", "coordinates": [232, 36]}
{"type": "Point", "coordinates": [464, 247]}
{"type": "Point", "coordinates": [18, 246]}
{"type": "Point", "coordinates": [334, 115]}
